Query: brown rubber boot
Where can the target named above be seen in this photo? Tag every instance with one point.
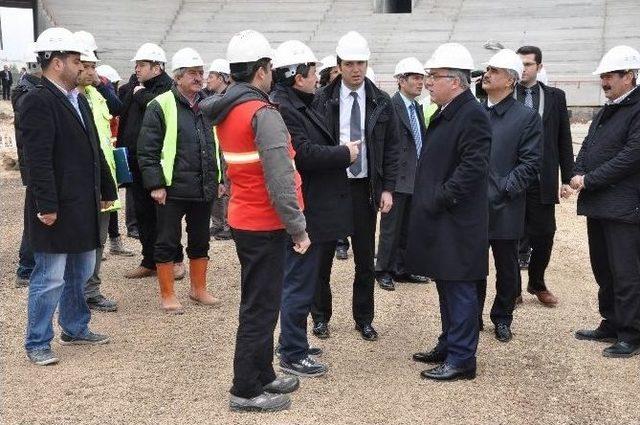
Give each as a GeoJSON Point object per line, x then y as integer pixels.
{"type": "Point", "coordinates": [198, 276]}
{"type": "Point", "coordinates": [168, 301]}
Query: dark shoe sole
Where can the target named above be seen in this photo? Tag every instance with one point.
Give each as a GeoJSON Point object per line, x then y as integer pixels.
{"type": "Point", "coordinates": [387, 288]}
{"type": "Point", "coordinates": [103, 309]}
{"type": "Point", "coordinates": [245, 409]}
{"type": "Point", "coordinates": [375, 338]}
{"type": "Point", "coordinates": [286, 391]}
{"type": "Point", "coordinates": [620, 356]}
{"type": "Point", "coordinates": [321, 336]}
{"type": "Point", "coordinates": [467, 376]}
{"type": "Point", "coordinates": [84, 342]}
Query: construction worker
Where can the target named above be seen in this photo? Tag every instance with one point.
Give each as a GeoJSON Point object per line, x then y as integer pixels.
{"type": "Point", "coordinates": [328, 71]}
{"type": "Point", "coordinates": [265, 210]}
{"type": "Point", "coordinates": [355, 109]}
{"type": "Point", "coordinates": [322, 164]}
{"type": "Point", "coordinates": [514, 164]}
{"type": "Point", "coordinates": [392, 241]}
{"type": "Point", "coordinates": [28, 82]}
{"type": "Point", "coordinates": [101, 117]}
{"type": "Point", "coordinates": [217, 83]}
{"type": "Point", "coordinates": [448, 224]}
{"type": "Point", "coordinates": [177, 159]}
{"type": "Point", "coordinates": [607, 176]}
{"type": "Point", "coordinates": [68, 182]}
{"type": "Point", "coordinates": [149, 81]}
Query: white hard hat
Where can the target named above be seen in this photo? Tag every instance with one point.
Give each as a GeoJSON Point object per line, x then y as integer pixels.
{"type": "Point", "coordinates": [619, 58]}
{"type": "Point", "coordinates": [248, 46]}
{"type": "Point", "coordinates": [186, 58]}
{"type": "Point", "coordinates": [371, 75]}
{"type": "Point", "coordinates": [409, 65]}
{"type": "Point", "coordinates": [87, 39]}
{"type": "Point", "coordinates": [221, 66]}
{"type": "Point", "coordinates": [450, 55]}
{"type": "Point", "coordinates": [109, 73]}
{"type": "Point", "coordinates": [29, 53]}
{"type": "Point", "coordinates": [87, 54]}
{"type": "Point", "coordinates": [507, 59]}
{"type": "Point", "coordinates": [150, 52]}
{"type": "Point", "coordinates": [57, 39]}
{"type": "Point", "coordinates": [293, 53]}
{"type": "Point", "coordinates": [353, 47]}
{"type": "Point", "coordinates": [327, 62]}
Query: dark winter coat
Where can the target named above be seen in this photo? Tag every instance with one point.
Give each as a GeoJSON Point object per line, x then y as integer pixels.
{"type": "Point", "coordinates": [27, 83]}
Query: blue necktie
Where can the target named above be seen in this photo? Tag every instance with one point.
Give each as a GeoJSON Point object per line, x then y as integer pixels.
{"type": "Point", "coordinates": [74, 101]}
{"type": "Point", "coordinates": [355, 131]}
{"type": "Point", "coordinates": [415, 128]}
{"type": "Point", "coordinates": [528, 97]}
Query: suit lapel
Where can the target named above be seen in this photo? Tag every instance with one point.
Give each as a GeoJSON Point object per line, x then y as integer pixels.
{"type": "Point", "coordinates": [402, 110]}
{"type": "Point", "coordinates": [56, 91]}
{"type": "Point", "coordinates": [547, 103]}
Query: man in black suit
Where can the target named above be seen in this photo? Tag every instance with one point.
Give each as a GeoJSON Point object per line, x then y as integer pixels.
{"type": "Point", "coordinates": [448, 227]}
{"type": "Point", "coordinates": [392, 241]}
{"type": "Point", "coordinates": [607, 178]}
{"type": "Point", "coordinates": [68, 183]}
{"type": "Point", "coordinates": [542, 195]}
{"type": "Point", "coordinates": [516, 152]}
{"type": "Point", "coordinates": [356, 110]}
{"type": "Point", "coordinates": [7, 81]}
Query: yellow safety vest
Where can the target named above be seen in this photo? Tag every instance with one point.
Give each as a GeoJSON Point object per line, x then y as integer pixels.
{"type": "Point", "coordinates": [167, 102]}
{"type": "Point", "coordinates": [429, 109]}
{"type": "Point", "coordinates": [102, 118]}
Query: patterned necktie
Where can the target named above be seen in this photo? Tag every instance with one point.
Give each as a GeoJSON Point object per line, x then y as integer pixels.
{"type": "Point", "coordinates": [415, 128]}
{"type": "Point", "coordinates": [528, 98]}
{"type": "Point", "coordinates": [355, 134]}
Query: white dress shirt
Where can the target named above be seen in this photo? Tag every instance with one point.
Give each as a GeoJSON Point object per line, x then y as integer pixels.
{"type": "Point", "coordinates": [346, 102]}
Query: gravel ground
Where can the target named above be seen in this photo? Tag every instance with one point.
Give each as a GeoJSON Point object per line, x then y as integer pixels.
{"type": "Point", "coordinates": [162, 369]}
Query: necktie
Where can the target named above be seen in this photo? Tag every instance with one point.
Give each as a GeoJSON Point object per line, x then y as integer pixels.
{"type": "Point", "coordinates": [528, 98]}
{"type": "Point", "coordinates": [74, 101]}
{"type": "Point", "coordinates": [415, 128]}
{"type": "Point", "coordinates": [355, 131]}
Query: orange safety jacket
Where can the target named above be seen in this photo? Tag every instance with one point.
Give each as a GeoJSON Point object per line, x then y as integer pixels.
{"type": "Point", "coordinates": [250, 207]}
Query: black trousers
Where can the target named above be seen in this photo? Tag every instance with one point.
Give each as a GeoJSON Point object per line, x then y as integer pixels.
{"type": "Point", "coordinates": [392, 242]}
{"type": "Point", "coordinates": [170, 216]}
{"type": "Point", "coordinates": [114, 231]}
{"type": "Point", "coordinates": [321, 310]}
{"type": "Point", "coordinates": [505, 256]}
{"type": "Point", "coordinates": [540, 228]}
{"type": "Point", "coordinates": [363, 244]}
{"type": "Point", "coordinates": [6, 91]}
{"type": "Point", "coordinates": [145, 209]}
{"type": "Point", "coordinates": [262, 258]}
{"type": "Point", "coordinates": [129, 211]}
{"type": "Point", "coordinates": [614, 249]}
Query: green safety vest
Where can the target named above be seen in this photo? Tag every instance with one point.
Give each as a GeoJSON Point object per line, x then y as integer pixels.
{"type": "Point", "coordinates": [429, 109]}
{"type": "Point", "coordinates": [167, 102]}
{"type": "Point", "coordinates": [102, 118]}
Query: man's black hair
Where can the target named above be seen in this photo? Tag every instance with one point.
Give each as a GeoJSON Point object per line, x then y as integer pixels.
{"type": "Point", "coordinates": [245, 71]}
{"type": "Point", "coordinates": [531, 50]}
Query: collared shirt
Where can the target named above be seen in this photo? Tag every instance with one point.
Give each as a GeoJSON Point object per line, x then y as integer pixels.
{"type": "Point", "coordinates": [346, 103]}
{"type": "Point", "coordinates": [535, 94]}
{"type": "Point", "coordinates": [621, 98]}
{"type": "Point", "coordinates": [73, 98]}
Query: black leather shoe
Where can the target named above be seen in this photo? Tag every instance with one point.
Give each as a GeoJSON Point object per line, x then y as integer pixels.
{"type": "Point", "coordinates": [321, 330]}
{"type": "Point", "coordinates": [596, 334]}
{"type": "Point", "coordinates": [342, 253]}
{"type": "Point", "coordinates": [367, 332]}
{"type": "Point", "coordinates": [433, 356]}
{"type": "Point", "coordinates": [411, 278]}
{"type": "Point", "coordinates": [622, 349]}
{"type": "Point", "coordinates": [385, 281]}
{"type": "Point", "coordinates": [447, 372]}
{"type": "Point", "coordinates": [503, 333]}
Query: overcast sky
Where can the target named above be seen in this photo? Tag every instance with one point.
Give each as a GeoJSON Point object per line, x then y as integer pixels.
{"type": "Point", "coordinates": [17, 32]}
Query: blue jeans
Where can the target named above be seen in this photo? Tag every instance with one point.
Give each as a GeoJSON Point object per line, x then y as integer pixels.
{"type": "Point", "coordinates": [58, 280]}
{"type": "Point", "coordinates": [26, 263]}
{"type": "Point", "coordinates": [298, 291]}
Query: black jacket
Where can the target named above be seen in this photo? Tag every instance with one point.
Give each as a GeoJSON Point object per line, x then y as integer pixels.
{"type": "Point", "coordinates": [516, 154]}
{"type": "Point", "coordinates": [449, 220]}
{"type": "Point", "coordinates": [408, 158]}
{"type": "Point", "coordinates": [28, 83]}
{"type": "Point", "coordinates": [6, 77]}
{"type": "Point", "coordinates": [322, 164]}
{"type": "Point", "coordinates": [557, 148]}
{"type": "Point", "coordinates": [133, 107]}
{"type": "Point", "coordinates": [610, 161]}
{"type": "Point", "coordinates": [195, 171]}
{"type": "Point", "coordinates": [381, 132]}
{"type": "Point", "coordinates": [66, 170]}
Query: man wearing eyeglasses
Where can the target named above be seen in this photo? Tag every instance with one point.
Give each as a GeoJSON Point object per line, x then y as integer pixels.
{"type": "Point", "coordinates": [448, 225]}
